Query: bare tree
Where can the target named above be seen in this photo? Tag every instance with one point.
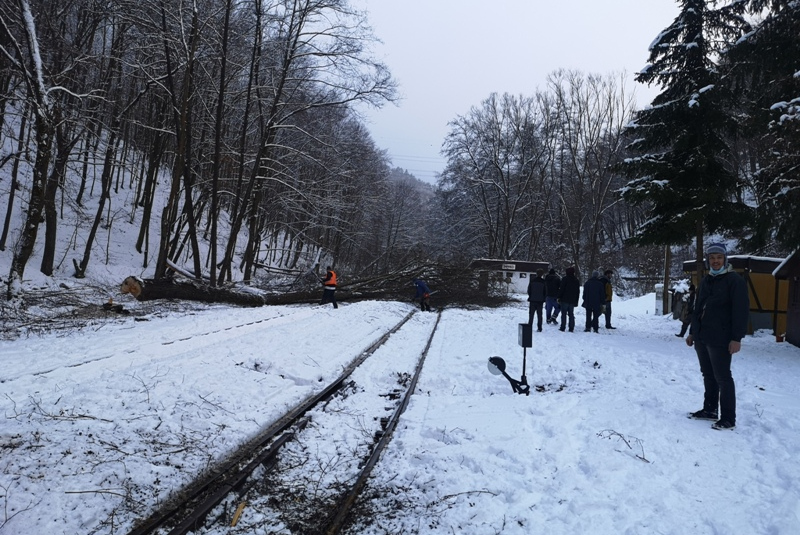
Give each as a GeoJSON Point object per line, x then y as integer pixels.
{"type": "Point", "coordinates": [22, 53]}
{"type": "Point", "coordinates": [316, 57]}
{"type": "Point", "coordinates": [496, 157]}
{"type": "Point", "coordinates": [592, 111]}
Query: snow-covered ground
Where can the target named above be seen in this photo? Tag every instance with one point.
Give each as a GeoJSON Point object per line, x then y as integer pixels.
{"type": "Point", "coordinates": [99, 425]}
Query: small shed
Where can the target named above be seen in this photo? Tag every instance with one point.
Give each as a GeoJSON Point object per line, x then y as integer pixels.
{"type": "Point", "coordinates": [768, 294]}
{"type": "Point", "coordinates": [789, 271]}
{"type": "Point", "coordinates": [514, 274]}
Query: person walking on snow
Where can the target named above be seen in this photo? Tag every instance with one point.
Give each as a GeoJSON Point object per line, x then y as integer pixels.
{"type": "Point", "coordinates": [537, 293]}
{"type": "Point", "coordinates": [719, 323]}
{"type": "Point", "coordinates": [552, 281]}
{"type": "Point", "coordinates": [568, 294]}
{"type": "Point", "coordinates": [329, 285]}
{"type": "Point", "coordinates": [423, 294]}
{"type": "Point", "coordinates": [594, 297]}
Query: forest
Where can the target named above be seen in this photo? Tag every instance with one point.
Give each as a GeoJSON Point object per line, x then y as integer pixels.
{"type": "Point", "coordinates": [227, 135]}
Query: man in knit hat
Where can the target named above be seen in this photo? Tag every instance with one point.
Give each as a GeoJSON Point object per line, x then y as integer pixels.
{"type": "Point", "coordinates": [722, 311]}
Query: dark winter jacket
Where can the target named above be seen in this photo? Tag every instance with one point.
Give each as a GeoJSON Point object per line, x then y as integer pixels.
{"type": "Point", "coordinates": [570, 290]}
{"type": "Point", "coordinates": [552, 282]}
{"type": "Point", "coordinates": [537, 291]}
{"type": "Point", "coordinates": [422, 288]}
{"type": "Point", "coordinates": [722, 309]}
{"type": "Point", "coordinates": [594, 294]}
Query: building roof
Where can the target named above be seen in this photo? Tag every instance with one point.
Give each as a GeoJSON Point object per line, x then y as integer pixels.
{"type": "Point", "coordinates": [525, 266]}
{"type": "Point", "coordinates": [789, 266]}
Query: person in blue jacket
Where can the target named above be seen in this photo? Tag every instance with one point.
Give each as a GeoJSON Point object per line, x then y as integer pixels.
{"type": "Point", "coordinates": [721, 314]}
{"type": "Point", "coordinates": [423, 294]}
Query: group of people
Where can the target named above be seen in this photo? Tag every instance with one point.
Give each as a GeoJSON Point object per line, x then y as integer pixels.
{"type": "Point", "coordinates": [715, 314]}
{"type": "Point", "coordinates": [560, 295]}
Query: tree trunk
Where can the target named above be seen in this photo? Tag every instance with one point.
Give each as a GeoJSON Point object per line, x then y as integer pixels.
{"type": "Point", "coordinates": [105, 181]}
{"type": "Point", "coordinates": [14, 181]}
{"type": "Point", "coordinates": [34, 77]}
{"type": "Point", "coordinates": [63, 150]}
{"type": "Point", "coordinates": [153, 289]}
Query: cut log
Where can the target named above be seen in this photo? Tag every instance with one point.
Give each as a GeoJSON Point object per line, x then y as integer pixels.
{"type": "Point", "coordinates": [153, 289]}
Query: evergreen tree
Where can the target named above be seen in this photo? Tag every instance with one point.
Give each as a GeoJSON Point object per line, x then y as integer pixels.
{"type": "Point", "coordinates": [764, 70]}
{"type": "Point", "coordinates": [680, 164]}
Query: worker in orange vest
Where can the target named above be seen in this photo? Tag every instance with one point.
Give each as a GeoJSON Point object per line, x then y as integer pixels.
{"type": "Point", "coordinates": [329, 283]}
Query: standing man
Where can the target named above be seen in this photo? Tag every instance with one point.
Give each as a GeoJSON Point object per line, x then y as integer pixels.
{"type": "Point", "coordinates": [329, 285]}
{"type": "Point", "coordinates": [537, 292]}
{"type": "Point", "coordinates": [606, 279]}
{"type": "Point", "coordinates": [568, 294]}
{"type": "Point", "coordinates": [552, 281]}
{"type": "Point", "coordinates": [594, 296]}
{"type": "Point", "coordinates": [719, 323]}
{"type": "Point", "coordinates": [423, 294]}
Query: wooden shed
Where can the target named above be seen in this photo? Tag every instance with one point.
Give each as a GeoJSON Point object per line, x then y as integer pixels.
{"type": "Point", "coordinates": [514, 274]}
{"type": "Point", "coordinates": [768, 295]}
{"type": "Point", "coordinates": [789, 271]}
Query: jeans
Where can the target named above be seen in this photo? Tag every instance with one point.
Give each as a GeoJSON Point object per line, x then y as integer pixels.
{"type": "Point", "coordinates": [552, 308]}
{"type": "Point", "coordinates": [607, 314]}
{"type": "Point", "coordinates": [715, 364]}
{"type": "Point", "coordinates": [568, 311]}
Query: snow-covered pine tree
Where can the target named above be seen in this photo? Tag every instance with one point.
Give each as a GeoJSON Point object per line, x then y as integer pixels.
{"type": "Point", "coordinates": [679, 168]}
{"type": "Point", "coordinates": [763, 68]}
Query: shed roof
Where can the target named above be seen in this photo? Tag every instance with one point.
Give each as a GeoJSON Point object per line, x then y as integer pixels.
{"type": "Point", "coordinates": [789, 266]}
{"type": "Point", "coordinates": [525, 266]}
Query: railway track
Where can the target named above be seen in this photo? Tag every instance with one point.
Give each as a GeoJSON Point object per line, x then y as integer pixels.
{"type": "Point", "coordinates": [304, 473]}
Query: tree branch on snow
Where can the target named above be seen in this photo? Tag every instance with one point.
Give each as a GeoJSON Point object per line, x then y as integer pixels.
{"type": "Point", "coordinates": [610, 433]}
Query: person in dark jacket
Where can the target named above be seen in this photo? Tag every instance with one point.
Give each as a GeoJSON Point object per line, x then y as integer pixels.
{"type": "Point", "coordinates": [423, 294]}
{"type": "Point", "coordinates": [537, 293]}
{"type": "Point", "coordinates": [687, 311]}
{"type": "Point", "coordinates": [552, 281]}
{"type": "Point", "coordinates": [594, 297]}
{"type": "Point", "coordinates": [719, 323]}
{"type": "Point", "coordinates": [329, 288]}
{"type": "Point", "coordinates": [568, 294]}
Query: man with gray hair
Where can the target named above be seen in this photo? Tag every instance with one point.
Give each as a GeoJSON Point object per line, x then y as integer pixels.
{"type": "Point", "coordinates": [720, 321]}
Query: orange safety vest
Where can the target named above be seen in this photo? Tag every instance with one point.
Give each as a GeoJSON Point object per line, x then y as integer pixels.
{"type": "Point", "coordinates": [330, 280]}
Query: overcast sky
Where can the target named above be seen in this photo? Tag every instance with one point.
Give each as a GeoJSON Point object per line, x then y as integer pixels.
{"type": "Point", "coordinates": [450, 55]}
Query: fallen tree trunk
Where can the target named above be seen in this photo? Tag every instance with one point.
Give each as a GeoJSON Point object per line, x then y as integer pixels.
{"type": "Point", "coordinates": [152, 289]}
{"type": "Point", "coordinates": [453, 286]}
